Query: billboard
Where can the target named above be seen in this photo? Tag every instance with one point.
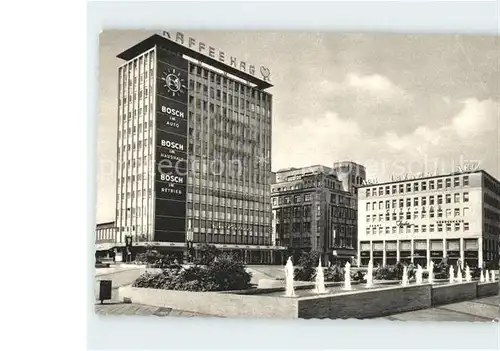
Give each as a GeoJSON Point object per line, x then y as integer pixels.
{"type": "Point", "coordinates": [171, 147]}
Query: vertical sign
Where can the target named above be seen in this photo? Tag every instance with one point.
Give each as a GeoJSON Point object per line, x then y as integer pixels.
{"type": "Point", "coordinates": [171, 147]}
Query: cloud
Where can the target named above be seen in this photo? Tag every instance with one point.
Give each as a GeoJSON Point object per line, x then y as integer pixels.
{"type": "Point", "coordinates": [475, 118]}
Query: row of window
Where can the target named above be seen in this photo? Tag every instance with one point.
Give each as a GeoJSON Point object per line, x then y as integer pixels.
{"type": "Point", "coordinates": [417, 215]}
{"type": "Point", "coordinates": [418, 186]}
{"type": "Point", "coordinates": [415, 229]}
{"type": "Point", "coordinates": [297, 199]}
{"type": "Point", "coordinates": [418, 201]}
{"type": "Point", "coordinates": [105, 234]}
{"type": "Point", "coordinates": [226, 82]}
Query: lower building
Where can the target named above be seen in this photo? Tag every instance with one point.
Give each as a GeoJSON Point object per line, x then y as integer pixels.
{"type": "Point", "coordinates": [454, 217]}
{"type": "Point", "coordinates": [105, 237]}
{"type": "Point", "coordinates": [313, 212]}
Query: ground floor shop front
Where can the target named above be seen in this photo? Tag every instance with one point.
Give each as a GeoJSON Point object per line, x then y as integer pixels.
{"type": "Point", "coordinates": [249, 254]}
{"type": "Point", "coordinates": [469, 252]}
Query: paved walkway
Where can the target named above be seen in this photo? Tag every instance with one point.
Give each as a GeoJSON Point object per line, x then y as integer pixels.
{"type": "Point", "coordinates": [485, 309]}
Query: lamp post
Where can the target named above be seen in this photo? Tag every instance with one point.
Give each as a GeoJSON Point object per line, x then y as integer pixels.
{"type": "Point", "coordinates": [189, 242]}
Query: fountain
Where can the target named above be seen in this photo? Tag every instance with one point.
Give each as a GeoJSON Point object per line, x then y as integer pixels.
{"type": "Point", "coordinates": [459, 275]}
{"type": "Point", "coordinates": [320, 280]}
{"type": "Point", "coordinates": [487, 276]}
{"type": "Point", "coordinates": [369, 275]}
{"type": "Point", "coordinates": [468, 278]}
{"type": "Point", "coordinates": [418, 274]}
{"type": "Point", "coordinates": [492, 276]}
{"type": "Point", "coordinates": [481, 278]}
{"type": "Point", "coordinates": [404, 281]}
{"type": "Point", "coordinates": [452, 274]}
{"type": "Point", "coordinates": [347, 276]}
{"type": "Point", "coordinates": [290, 291]}
{"type": "Point", "coordinates": [431, 272]}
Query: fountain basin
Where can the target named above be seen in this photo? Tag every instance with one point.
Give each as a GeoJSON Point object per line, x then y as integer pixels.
{"type": "Point", "coordinates": [487, 289]}
{"type": "Point", "coordinates": [443, 294]}
{"type": "Point", "coordinates": [360, 302]}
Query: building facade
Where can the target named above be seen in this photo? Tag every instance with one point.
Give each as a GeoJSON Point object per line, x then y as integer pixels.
{"type": "Point", "coordinates": [314, 211]}
{"type": "Point", "coordinates": [194, 146]}
{"type": "Point", "coordinates": [105, 236]}
{"type": "Point", "coordinates": [454, 216]}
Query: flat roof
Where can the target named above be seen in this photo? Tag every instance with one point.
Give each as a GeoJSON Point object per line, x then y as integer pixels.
{"type": "Point", "coordinates": [452, 174]}
{"type": "Point", "coordinates": [163, 42]}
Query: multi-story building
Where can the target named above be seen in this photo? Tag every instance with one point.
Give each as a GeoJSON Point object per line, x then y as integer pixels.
{"type": "Point", "coordinates": [456, 216]}
{"type": "Point", "coordinates": [314, 210]}
{"type": "Point", "coordinates": [105, 236]}
{"type": "Point", "coordinates": [194, 146]}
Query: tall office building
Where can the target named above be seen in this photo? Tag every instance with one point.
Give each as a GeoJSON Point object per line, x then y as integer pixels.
{"type": "Point", "coordinates": [456, 216]}
{"type": "Point", "coordinates": [194, 146]}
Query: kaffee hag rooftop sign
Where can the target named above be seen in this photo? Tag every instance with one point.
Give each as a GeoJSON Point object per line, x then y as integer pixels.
{"type": "Point", "coordinates": [219, 55]}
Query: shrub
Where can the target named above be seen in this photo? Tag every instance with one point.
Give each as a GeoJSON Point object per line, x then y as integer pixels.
{"type": "Point", "coordinates": [308, 263]}
{"type": "Point", "coordinates": [441, 270]}
{"type": "Point", "coordinates": [334, 273]}
{"type": "Point", "coordinates": [358, 276]}
{"type": "Point", "coordinates": [385, 273]}
{"type": "Point", "coordinates": [224, 274]}
{"type": "Point", "coordinates": [155, 259]}
{"type": "Point", "coordinates": [208, 253]}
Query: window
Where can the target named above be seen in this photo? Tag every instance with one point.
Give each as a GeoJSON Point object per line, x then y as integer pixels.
{"type": "Point", "coordinates": [387, 230]}
{"type": "Point", "coordinates": [466, 226]}
{"type": "Point", "coordinates": [431, 228]}
{"type": "Point", "coordinates": [431, 200]}
{"type": "Point", "coordinates": [440, 199]}
{"type": "Point", "coordinates": [394, 189]}
{"type": "Point", "coordinates": [415, 229]}
{"type": "Point", "coordinates": [457, 227]}
{"type": "Point", "coordinates": [424, 201]}
{"type": "Point", "coordinates": [394, 216]}
{"type": "Point", "coordinates": [367, 231]}
{"type": "Point", "coordinates": [408, 215]}
{"type": "Point", "coordinates": [466, 211]}
{"type": "Point", "coordinates": [380, 205]}
{"type": "Point", "coordinates": [440, 184]}
{"type": "Point", "coordinates": [415, 186]}
{"type": "Point", "coordinates": [380, 217]}
{"type": "Point", "coordinates": [448, 183]}
{"type": "Point", "coordinates": [307, 198]}
{"type": "Point", "coordinates": [448, 212]}
{"type": "Point", "coordinates": [400, 230]}
{"type": "Point", "coordinates": [380, 191]}
{"type": "Point", "coordinates": [368, 206]}
{"type": "Point", "coordinates": [408, 202]}
{"type": "Point", "coordinates": [466, 180]}
{"type": "Point", "coordinates": [387, 204]}
{"type": "Point", "coordinates": [297, 199]}
{"type": "Point", "coordinates": [387, 217]}
{"type": "Point", "coordinates": [415, 215]}
{"type": "Point", "coordinates": [440, 213]}
{"type": "Point", "coordinates": [424, 214]}
{"type": "Point", "coordinates": [394, 203]}
{"type": "Point", "coordinates": [431, 185]}
{"type": "Point", "coordinates": [456, 198]}
{"type": "Point", "coordinates": [448, 198]}
{"type": "Point", "coordinates": [401, 189]}
{"type": "Point", "coordinates": [393, 230]}
{"type": "Point", "coordinates": [387, 190]}
{"type": "Point", "coordinates": [431, 213]}
{"type": "Point", "coordinates": [415, 201]}
{"type": "Point", "coordinates": [424, 186]}
{"type": "Point", "coordinates": [368, 218]}
{"type": "Point", "coordinates": [456, 181]}
{"type": "Point", "coordinates": [374, 191]}
{"type": "Point", "coordinates": [466, 197]}
{"type": "Point", "coordinates": [367, 192]}
{"type": "Point", "coordinates": [448, 227]}
{"type": "Point", "coordinates": [440, 227]}
{"type": "Point", "coordinates": [374, 218]}
{"type": "Point", "coordinates": [401, 203]}
{"type": "Point", "coordinates": [408, 188]}
{"type": "Point", "coordinates": [456, 212]}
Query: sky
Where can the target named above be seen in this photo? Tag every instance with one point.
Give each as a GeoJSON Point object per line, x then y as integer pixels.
{"type": "Point", "coordinates": [398, 104]}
